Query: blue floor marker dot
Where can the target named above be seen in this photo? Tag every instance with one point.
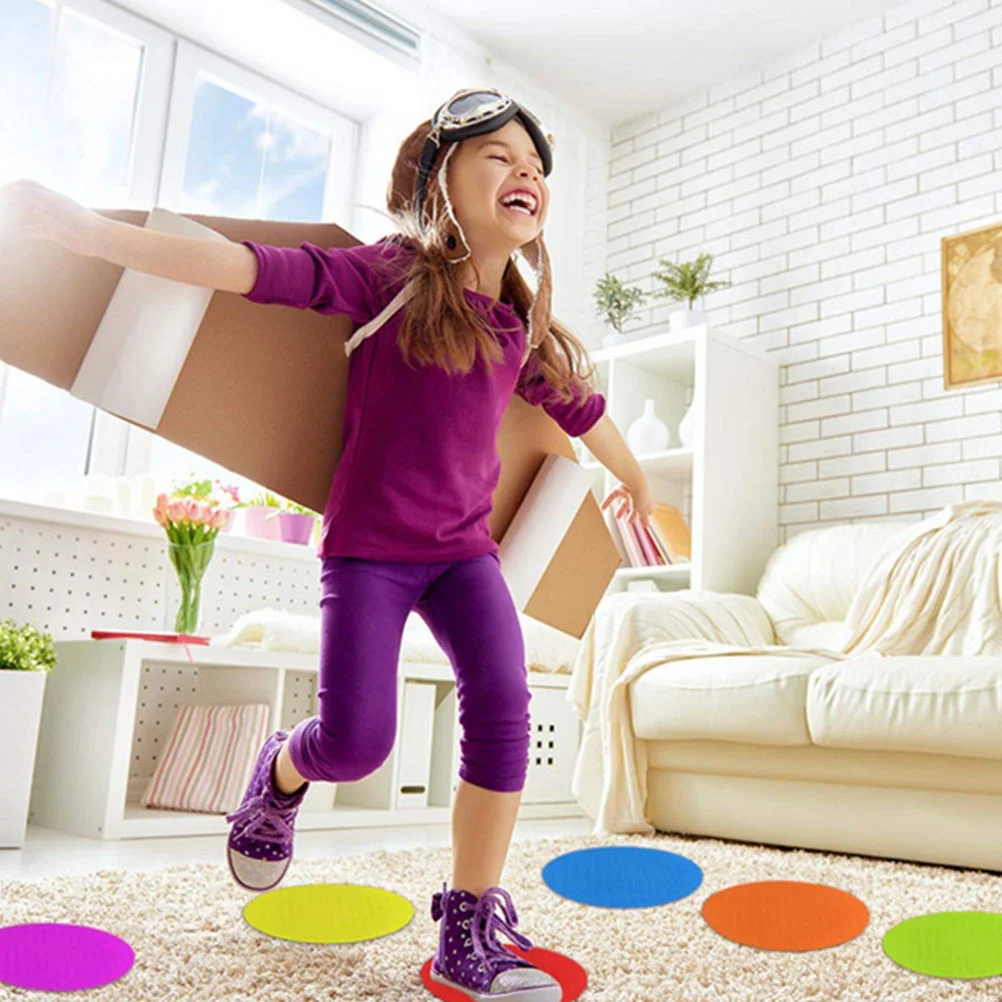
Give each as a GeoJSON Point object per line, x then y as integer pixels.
{"type": "Point", "coordinates": [622, 876]}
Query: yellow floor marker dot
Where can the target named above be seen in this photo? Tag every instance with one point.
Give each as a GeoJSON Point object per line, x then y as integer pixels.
{"type": "Point", "coordinates": [328, 913]}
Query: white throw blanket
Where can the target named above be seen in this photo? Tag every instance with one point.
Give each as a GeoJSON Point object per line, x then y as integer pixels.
{"type": "Point", "coordinates": [546, 649]}
{"type": "Point", "coordinates": [933, 589]}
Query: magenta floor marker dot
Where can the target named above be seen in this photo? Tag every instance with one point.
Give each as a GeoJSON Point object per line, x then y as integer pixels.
{"type": "Point", "coordinates": [57, 957]}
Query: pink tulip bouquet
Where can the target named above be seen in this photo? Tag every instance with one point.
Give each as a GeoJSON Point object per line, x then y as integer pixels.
{"type": "Point", "coordinates": [192, 517]}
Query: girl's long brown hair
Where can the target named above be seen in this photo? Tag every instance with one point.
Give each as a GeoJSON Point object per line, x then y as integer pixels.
{"type": "Point", "coordinates": [440, 327]}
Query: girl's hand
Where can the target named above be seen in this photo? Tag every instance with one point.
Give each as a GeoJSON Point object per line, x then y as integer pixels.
{"type": "Point", "coordinates": [637, 501]}
{"type": "Point", "coordinates": [29, 209]}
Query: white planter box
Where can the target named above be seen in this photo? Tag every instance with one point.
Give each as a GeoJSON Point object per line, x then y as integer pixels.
{"type": "Point", "coordinates": [21, 695]}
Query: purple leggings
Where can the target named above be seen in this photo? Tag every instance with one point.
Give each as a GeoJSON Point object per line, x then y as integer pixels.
{"type": "Point", "coordinates": [470, 612]}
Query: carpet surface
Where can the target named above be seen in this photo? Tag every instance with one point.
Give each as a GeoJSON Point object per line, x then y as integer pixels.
{"type": "Point", "coordinates": [191, 941]}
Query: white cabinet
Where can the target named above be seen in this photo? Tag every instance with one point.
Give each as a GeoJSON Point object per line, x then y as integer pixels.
{"type": "Point", "coordinates": [110, 704]}
{"type": "Point", "coordinates": [727, 483]}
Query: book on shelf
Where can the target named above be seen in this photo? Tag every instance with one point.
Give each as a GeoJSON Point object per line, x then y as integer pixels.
{"type": "Point", "coordinates": [673, 531]}
{"type": "Point", "coordinates": [665, 540]}
{"type": "Point", "coordinates": [647, 547]}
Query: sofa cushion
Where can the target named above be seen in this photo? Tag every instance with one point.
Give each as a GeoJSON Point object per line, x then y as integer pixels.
{"type": "Point", "coordinates": [937, 704]}
{"type": "Point", "coordinates": [812, 578]}
{"type": "Point", "coordinates": [753, 698]}
{"type": "Point", "coordinates": [824, 634]}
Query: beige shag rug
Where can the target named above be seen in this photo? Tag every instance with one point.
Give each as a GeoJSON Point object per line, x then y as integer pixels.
{"type": "Point", "coordinates": [191, 941]}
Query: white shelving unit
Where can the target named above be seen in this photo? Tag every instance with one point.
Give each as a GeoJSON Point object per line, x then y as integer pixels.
{"type": "Point", "coordinates": [727, 483]}
{"type": "Point", "coordinates": [110, 704]}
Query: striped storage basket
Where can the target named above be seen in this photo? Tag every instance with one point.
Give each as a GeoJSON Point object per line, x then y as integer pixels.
{"type": "Point", "coordinates": [209, 758]}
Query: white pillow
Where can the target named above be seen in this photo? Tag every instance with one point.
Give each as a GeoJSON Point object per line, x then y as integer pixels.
{"type": "Point", "coordinates": [546, 649]}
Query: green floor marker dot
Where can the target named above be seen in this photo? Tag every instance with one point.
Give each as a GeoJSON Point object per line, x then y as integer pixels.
{"type": "Point", "coordinates": [948, 944]}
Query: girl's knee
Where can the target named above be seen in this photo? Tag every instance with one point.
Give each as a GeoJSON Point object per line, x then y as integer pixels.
{"type": "Point", "coordinates": [496, 755]}
{"type": "Point", "coordinates": [501, 699]}
{"type": "Point", "coordinates": [348, 758]}
{"type": "Point", "coordinates": [497, 775]}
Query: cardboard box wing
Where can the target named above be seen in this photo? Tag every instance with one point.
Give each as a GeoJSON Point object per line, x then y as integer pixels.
{"type": "Point", "coordinates": [259, 389]}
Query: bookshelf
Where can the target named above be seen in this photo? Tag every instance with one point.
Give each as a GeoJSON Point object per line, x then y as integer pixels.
{"type": "Point", "coordinates": [727, 482]}
{"type": "Point", "coordinates": [110, 705]}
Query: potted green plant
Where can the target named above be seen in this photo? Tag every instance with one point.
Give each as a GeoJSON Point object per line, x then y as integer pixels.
{"type": "Point", "coordinates": [261, 518]}
{"type": "Point", "coordinates": [26, 656]}
{"type": "Point", "coordinates": [615, 304]}
{"type": "Point", "coordinates": [685, 283]}
{"type": "Point", "coordinates": [296, 522]}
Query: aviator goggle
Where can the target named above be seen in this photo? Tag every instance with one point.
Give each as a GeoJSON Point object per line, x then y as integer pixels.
{"type": "Point", "coordinates": [473, 113]}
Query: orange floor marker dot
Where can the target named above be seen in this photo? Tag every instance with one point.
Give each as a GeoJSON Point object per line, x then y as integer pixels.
{"type": "Point", "coordinates": [786, 915]}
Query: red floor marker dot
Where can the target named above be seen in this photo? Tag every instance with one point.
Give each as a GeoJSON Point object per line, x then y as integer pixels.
{"type": "Point", "coordinates": [571, 975]}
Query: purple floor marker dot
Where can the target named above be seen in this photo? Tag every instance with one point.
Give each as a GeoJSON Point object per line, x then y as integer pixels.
{"type": "Point", "coordinates": [58, 957]}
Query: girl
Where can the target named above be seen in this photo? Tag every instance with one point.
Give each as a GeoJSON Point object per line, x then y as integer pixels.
{"type": "Point", "coordinates": [405, 525]}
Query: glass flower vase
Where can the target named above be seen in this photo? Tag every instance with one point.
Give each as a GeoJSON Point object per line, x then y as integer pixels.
{"type": "Point", "coordinates": [190, 560]}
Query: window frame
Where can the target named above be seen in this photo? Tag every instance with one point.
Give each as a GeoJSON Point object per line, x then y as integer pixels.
{"type": "Point", "coordinates": [161, 126]}
{"type": "Point", "coordinates": [107, 446]}
{"type": "Point", "coordinates": [339, 187]}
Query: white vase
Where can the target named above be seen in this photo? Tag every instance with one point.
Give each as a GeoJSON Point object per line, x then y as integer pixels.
{"type": "Point", "coordinates": [614, 340]}
{"type": "Point", "coordinates": [648, 433]}
{"type": "Point", "coordinates": [680, 320]}
{"type": "Point", "coordinates": [686, 429]}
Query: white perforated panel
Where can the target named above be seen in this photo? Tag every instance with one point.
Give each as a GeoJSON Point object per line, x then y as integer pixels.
{"type": "Point", "coordinates": [163, 690]}
{"type": "Point", "coordinates": [553, 744]}
{"type": "Point", "coordinates": [68, 580]}
{"type": "Point", "coordinates": [300, 700]}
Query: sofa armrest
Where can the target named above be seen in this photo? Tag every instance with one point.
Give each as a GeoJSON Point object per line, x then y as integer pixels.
{"type": "Point", "coordinates": [626, 622]}
{"type": "Point", "coordinates": [721, 617]}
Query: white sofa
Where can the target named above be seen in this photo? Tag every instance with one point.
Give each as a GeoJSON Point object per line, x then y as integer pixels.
{"type": "Point", "coordinates": [897, 757]}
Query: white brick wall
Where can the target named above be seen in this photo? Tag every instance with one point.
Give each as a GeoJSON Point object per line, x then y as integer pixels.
{"type": "Point", "coordinates": [822, 184]}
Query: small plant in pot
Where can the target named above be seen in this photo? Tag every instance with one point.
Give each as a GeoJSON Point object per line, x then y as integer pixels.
{"type": "Point", "coordinates": [615, 303]}
{"type": "Point", "coordinates": [296, 523]}
{"type": "Point", "coordinates": [685, 283]}
{"type": "Point", "coordinates": [26, 657]}
{"type": "Point", "coordinates": [261, 518]}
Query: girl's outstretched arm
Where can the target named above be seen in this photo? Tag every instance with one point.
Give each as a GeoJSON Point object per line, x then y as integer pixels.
{"type": "Point", "coordinates": [29, 210]}
{"type": "Point", "coordinates": [229, 267]}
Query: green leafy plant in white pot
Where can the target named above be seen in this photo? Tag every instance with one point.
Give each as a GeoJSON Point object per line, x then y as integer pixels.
{"type": "Point", "coordinates": [685, 283]}
{"type": "Point", "coordinates": [615, 303]}
{"type": "Point", "coordinates": [26, 657]}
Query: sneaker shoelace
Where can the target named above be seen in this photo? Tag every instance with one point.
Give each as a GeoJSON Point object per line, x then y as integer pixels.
{"type": "Point", "coordinates": [269, 820]}
{"type": "Point", "coordinates": [486, 923]}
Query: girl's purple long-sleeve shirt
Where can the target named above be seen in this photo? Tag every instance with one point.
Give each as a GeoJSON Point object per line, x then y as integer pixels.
{"type": "Point", "coordinates": [419, 462]}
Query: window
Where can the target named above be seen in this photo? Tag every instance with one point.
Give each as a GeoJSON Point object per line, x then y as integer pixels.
{"type": "Point", "coordinates": [239, 146]}
{"type": "Point", "coordinates": [111, 110]}
{"type": "Point", "coordinates": [71, 77]}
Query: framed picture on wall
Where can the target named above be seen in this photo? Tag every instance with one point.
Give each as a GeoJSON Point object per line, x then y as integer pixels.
{"type": "Point", "coordinates": [972, 307]}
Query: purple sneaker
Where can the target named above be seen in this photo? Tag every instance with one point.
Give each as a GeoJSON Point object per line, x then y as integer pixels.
{"type": "Point", "coordinates": [259, 849]}
{"type": "Point", "coordinates": [470, 958]}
